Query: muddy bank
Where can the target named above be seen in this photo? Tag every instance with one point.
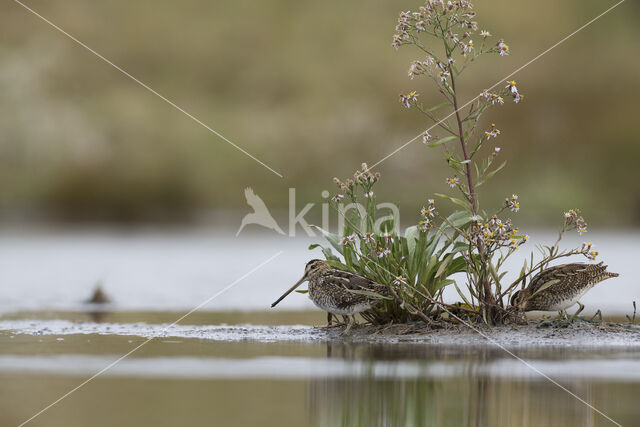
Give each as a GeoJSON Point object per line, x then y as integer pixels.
{"type": "Point", "coordinates": [537, 334]}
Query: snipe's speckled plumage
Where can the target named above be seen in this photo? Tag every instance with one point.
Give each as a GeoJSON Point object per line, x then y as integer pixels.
{"type": "Point", "coordinates": [567, 284]}
{"type": "Point", "coordinates": [329, 289]}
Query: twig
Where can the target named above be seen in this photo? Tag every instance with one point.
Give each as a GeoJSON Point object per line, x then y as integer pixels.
{"type": "Point", "coordinates": [632, 320]}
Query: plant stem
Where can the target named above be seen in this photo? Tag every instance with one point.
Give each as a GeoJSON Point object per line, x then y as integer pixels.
{"type": "Point", "coordinates": [463, 144]}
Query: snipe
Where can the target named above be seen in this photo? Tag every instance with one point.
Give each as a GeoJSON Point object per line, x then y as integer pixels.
{"type": "Point", "coordinates": [329, 289]}
{"type": "Point", "coordinates": [558, 288]}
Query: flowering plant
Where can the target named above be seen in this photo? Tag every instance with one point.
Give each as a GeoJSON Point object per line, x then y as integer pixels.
{"type": "Point", "coordinates": [419, 264]}
{"type": "Point", "coordinates": [416, 265]}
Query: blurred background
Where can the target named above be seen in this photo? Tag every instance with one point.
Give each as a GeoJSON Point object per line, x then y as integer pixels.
{"type": "Point", "coordinates": [104, 186]}
{"type": "Point", "coordinates": [310, 88]}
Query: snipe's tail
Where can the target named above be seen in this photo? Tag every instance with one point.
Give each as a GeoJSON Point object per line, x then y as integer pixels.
{"type": "Point", "coordinates": [598, 272]}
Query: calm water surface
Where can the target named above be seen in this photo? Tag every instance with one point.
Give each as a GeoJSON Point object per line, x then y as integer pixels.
{"type": "Point", "coordinates": [176, 381]}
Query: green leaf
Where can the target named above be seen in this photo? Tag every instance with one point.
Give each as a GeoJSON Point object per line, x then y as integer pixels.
{"type": "Point", "coordinates": [387, 224]}
{"type": "Point", "coordinates": [441, 141]}
{"type": "Point", "coordinates": [443, 265]}
{"type": "Point", "coordinates": [368, 293]}
{"type": "Point", "coordinates": [411, 234]}
{"type": "Point", "coordinates": [329, 255]}
{"type": "Point", "coordinates": [442, 283]}
{"type": "Point", "coordinates": [337, 264]}
{"type": "Point", "coordinates": [454, 200]}
{"type": "Point", "coordinates": [494, 273]}
{"type": "Point", "coordinates": [302, 291]}
{"type": "Point", "coordinates": [460, 218]}
{"type": "Point", "coordinates": [462, 295]}
{"type": "Point", "coordinates": [458, 265]}
{"type": "Point", "coordinates": [461, 246]}
{"type": "Point", "coordinates": [437, 107]}
{"type": "Point", "coordinates": [334, 239]}
{"type": "Point", "coordinates": [545, 286]}
{"type": "Point", "coordinates": [523, 271]}
{"type": "Point", "coordinates": [313, 246]}
{"type": "Point", "coordinates": [490, 175]}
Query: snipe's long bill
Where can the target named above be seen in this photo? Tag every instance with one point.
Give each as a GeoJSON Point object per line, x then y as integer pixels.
{"type": "Point", "coordinates": [298, 283]}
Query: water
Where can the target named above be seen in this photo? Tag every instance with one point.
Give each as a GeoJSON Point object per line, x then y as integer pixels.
{"type": "Point", "coordinates": [296, 382]}
{"type": "Point", "coordinates": [145, 271]}
{"type": "Point", "coordinates": [266, 367]}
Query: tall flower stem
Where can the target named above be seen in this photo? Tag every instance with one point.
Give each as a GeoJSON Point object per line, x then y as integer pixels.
{"type": "Point", "coordinates": [463, 143]}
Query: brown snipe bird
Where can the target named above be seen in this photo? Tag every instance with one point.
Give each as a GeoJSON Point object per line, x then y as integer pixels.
{"type": "Point", "coordinates": [329, 289]}
{"type": "Point", "coordinates": [565, 285]}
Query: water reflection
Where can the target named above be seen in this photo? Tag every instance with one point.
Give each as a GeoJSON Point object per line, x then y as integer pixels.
{"type": "Point", "coordinates": [437, 398]}
{"type": "Point", "coordinates": [203, 382]}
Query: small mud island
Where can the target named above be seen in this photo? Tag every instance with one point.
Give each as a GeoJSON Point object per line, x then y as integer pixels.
{"type": "Point", "coordinates": [535, 334]}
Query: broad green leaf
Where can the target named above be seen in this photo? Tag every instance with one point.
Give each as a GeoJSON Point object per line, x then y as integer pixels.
{"type": "Point", "coordinates": [458, 265]}
{"type": "Point", "coordinates": [442, 283]}
{"type": "Point", "coordinates": [461, 246]}
{"type": "Point", "coordinates": [368, 293]}
{"type": "Point", "coordinates": [546, 285]}
{"type": "Point", "coordinates": [460, 218]}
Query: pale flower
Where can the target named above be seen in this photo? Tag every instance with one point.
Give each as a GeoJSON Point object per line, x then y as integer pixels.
{"type": "Point", "coordinates": [426, 136]}
{"type": "Point", "coordinates": [468, 47]}
{"type": "Point", "coordinates": [503, 48]}
{"type": "Point", "coordinates": [398, 280]}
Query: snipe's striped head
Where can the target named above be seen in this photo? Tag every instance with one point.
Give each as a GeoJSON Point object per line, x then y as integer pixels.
{"type": "Point", "coordinates": [313, 268]}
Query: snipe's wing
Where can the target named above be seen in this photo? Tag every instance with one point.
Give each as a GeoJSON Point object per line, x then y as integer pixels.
{"type": "Point", "coordinates": [563, 273]}
{"type": "Point", "coordinates": [355, 281]}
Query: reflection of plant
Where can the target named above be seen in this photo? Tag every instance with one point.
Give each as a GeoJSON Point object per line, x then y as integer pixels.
{"type": "Point", "coordinates": [418, 265]}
